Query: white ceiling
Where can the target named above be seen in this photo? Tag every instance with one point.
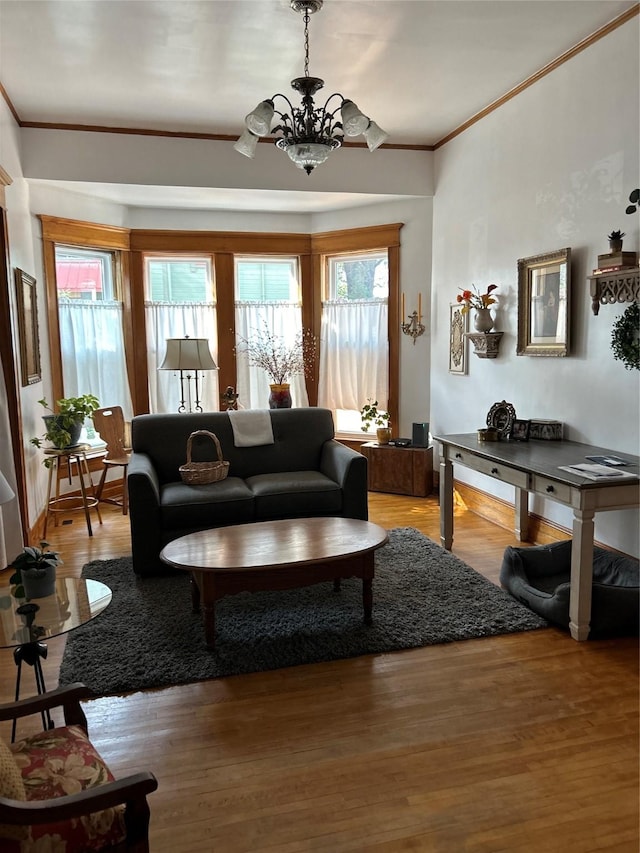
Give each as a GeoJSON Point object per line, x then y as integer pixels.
{"type": "Point", "coordinates": [420, 68]}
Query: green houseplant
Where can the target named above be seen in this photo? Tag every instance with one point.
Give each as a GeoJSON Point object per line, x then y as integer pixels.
{"type": "Point", "coordinates": [34, 571]}
{"type": "Point", "coordinates": [371, 415]}
{"type": "Point", "coordinates": [615, 240]}
{"type": "Point", "coordinates": [63, 425]}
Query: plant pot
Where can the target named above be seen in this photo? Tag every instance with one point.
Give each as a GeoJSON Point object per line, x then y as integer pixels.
{"type": "Point", "coordinates": [39, 587]}
{"type": "Point", "coordinates": [482, 320]}
{"type": "Point", "coordinates": [280, 396]}
{"type": "Point", "coordinates": [615, 245]}
{"type": "Point", "coordinates": [74, 430]}
{"type": "Point", "coordinates": [383, 435]}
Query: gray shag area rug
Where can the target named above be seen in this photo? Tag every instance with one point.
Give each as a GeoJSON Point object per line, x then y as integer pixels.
{"type": "Point", "coordinates": [148, 636]}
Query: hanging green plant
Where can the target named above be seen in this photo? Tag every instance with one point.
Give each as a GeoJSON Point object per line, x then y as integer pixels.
{"type": "Point", "coordinates": [625, 338]}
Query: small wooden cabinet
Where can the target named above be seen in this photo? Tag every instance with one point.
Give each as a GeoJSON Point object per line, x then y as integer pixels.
{"type": "Point", "coordinates": [399, 470]}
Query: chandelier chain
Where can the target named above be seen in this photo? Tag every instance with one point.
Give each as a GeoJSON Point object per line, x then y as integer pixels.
{"type": "Point", "coordinates": [306, 42]}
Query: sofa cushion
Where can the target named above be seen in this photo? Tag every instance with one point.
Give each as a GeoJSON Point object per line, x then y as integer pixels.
{"type": "Point", "coordinates": [229, 501]}
{"type": "Point", "coordinates": [294, 493]}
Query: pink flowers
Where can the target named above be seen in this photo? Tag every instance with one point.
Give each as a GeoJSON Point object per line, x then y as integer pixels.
{"type": "Point", "coordinates": [473, 299]}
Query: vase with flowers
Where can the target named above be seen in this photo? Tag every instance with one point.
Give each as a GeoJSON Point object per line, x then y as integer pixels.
{"type": "Point", "coordinates": [280, 359]}
{"type": "Point", "coordinates": [480, 302]}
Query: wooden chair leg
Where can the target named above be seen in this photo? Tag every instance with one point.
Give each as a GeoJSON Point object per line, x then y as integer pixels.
{"type": "Point", "coordinates": [101, 483]}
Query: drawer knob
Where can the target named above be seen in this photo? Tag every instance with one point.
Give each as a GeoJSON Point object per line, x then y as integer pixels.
{"type": "Point", "coordinates": [550, 489]}
{"type": "Point", "coordinates": [494, 471]}
{"type": "Point", "coordinates": [458, 455]}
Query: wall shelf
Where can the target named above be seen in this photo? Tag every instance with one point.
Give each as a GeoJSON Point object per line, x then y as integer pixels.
{"type": "Point", "coordinates": [609, 288]}
{"type": "Point", "coordinates": [485, 344]}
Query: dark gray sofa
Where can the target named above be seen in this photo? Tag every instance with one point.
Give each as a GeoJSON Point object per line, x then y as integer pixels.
{"type": "Point", "coordinates": [305, 473]}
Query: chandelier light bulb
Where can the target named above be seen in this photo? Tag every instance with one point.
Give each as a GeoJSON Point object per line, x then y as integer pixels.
{"type": "Point", "coordinates": [308, 133]}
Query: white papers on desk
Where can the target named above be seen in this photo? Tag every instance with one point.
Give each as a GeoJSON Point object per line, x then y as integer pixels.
{"type": "Point", "coordinates": [596, 472]}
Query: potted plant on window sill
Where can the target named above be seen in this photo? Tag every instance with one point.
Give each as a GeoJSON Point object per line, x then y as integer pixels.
{"type": "Point", "coordinates": [370, 415]}
{"type": "Point", "coordinates": [64, 425]}
{"type": "Point", "coordinates": [34, 571]}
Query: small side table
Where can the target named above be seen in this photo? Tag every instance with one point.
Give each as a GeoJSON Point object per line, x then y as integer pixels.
{"type": "Point", "coordinates": [25, 625]}
{"type": "Point", "coordinates": [64, 503]}
{"type": "Point", "coordinates": [399, 470]}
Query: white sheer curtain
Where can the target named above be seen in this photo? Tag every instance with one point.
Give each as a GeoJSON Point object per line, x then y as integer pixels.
{"type": "Point", "coordinates": [93, 359]}
{"type": "Point", "coordinates": [178, 320]}
{"type": "Point", "coordinates": [283, 319]}
{"type": "Point", "coordinates": [354, 354]}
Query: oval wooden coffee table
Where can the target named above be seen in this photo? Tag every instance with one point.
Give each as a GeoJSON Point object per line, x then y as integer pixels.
{"type": "Point", "coordinates": [272, 555]}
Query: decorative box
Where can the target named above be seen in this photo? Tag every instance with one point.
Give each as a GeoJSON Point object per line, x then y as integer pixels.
{"type": "Point", "coordinates": [547, 430]}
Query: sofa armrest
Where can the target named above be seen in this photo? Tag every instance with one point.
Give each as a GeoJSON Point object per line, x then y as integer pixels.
{"type": "Point", "coordinates": [348, 468]}
{"type": "Point", "coordinates": [144, 513]}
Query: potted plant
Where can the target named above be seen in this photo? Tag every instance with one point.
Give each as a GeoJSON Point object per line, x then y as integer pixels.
{"type": "Point", "coordinates": [483, 321]}
{"type": "Point", "coordinates": [370, 415]}
{"type": "Point", "coordinates": [63, 426]}
{"type": "Point", "coordinates": [615, 240]}
{"type": "Point", "coordinates": [280, 359]}
{"type": "Point", "coordinates": [34, 571]}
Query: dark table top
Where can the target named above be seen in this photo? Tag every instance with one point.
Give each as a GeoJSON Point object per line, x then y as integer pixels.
{"type": "Point", "coordinates": [544, 457]}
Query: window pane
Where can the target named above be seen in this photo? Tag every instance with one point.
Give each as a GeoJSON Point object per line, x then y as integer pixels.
{"type": "Point", "coordinates": [359, 276]}
{"type": "Point", "coordinates": [265, 280]}
{"type": "Point", "coordinates": [84, 274]}
{"type": "Point", "coordinates": [91, 336]}
{"type": "Point", "coordinates": [179, 280]}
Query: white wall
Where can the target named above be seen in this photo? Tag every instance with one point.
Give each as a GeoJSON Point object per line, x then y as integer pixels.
{"type": "Point", "coordinates": [551, 168]}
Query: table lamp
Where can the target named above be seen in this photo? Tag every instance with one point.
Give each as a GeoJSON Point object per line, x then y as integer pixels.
{"type": "Point", "coordinates": [189, 356]}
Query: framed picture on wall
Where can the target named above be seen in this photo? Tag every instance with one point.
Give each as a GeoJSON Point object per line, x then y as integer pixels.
{"type": "Point", "coordinates": [28, 327]}
{"type": "Point", "coordinates": [544, 289]}
{"type": "Point", "coordinates": [458, 326]}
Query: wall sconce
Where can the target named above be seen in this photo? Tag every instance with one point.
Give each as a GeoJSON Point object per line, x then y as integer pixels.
{"type": "Point", "coordinates": [189, 356]}
{"type": "Point", "coordinates": [414, 328]}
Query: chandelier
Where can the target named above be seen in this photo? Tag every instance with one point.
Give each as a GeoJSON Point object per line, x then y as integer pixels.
{"type": "Point", "coordinates": [308, 133]}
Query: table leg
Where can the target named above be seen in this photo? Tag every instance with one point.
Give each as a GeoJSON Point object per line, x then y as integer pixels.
{"type": "Point", "coordinates": [31, 654]}
{"type": "Point", "coordinates": [522, 515]}
{"type": "Point", "coordinates": [446, 503]}
{"type": "Point", "coordinates": [53, 467]}
{"type": "Point", "coordinates": [581, 574]}
{"type": "Point", "coordinates": [209, 619]}
{"type": "Point", "coordinates": [195, 595]}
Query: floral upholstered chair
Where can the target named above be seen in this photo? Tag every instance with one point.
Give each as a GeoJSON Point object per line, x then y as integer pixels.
{"type": "Point", "coordinates": [57, 794]}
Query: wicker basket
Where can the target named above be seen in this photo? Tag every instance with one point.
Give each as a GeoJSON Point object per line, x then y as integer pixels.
{"type": "Point", "coordinates": [198, 473]}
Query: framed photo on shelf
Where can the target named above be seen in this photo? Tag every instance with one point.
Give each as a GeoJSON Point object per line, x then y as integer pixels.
{"type": "Point", "coordinates": [28, 327]}
{"type": "Point", "coordinates": [520, 430]}
{"type": "Point", "coordinates": [458, 326]}
{"type": "Point", "coordinates": [544, 289]}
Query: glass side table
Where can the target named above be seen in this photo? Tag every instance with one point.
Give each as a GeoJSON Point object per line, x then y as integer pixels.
{"type": "Point", "coordinates": [25, 624]}
{"type": "Point", "coordinates": [64, 503]}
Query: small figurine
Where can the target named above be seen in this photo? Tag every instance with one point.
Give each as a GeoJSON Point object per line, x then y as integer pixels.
{"type": "Point", "coordinates": [229, 398]}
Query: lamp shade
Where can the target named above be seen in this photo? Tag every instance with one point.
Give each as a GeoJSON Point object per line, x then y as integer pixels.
{"type": "Point", "coordinates": [375, 136]}
{"type": "Point", "coordinates": [259, 121]}
{"type": "Point", "coordinates": [246, 144]}
{"type": "Point", "coordinates": [6, 492]}
{"type": "Point", "coordinates": [354, 122]}
{"type": "Point", "coordinates": [188, 354]}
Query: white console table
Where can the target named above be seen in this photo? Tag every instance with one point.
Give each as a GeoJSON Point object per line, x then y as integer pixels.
{"type": "Point", "coordinates": [532, 466]}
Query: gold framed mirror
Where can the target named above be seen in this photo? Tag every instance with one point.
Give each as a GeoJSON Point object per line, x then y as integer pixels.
{"type": "Point", "coordinates": [544, 289]}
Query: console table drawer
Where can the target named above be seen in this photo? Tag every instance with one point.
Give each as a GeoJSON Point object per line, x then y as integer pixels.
{"type": "Point", "coordinates": [544, 486]}
{"type": "Point", "coordinates": [492, 469]}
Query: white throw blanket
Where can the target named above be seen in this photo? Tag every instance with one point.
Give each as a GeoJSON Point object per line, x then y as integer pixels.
{"type": "Point", "coordinates": [251, 427]}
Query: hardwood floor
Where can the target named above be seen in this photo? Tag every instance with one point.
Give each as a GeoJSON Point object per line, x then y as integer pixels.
{"type": "Point", "coordinates": [520, 743]}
